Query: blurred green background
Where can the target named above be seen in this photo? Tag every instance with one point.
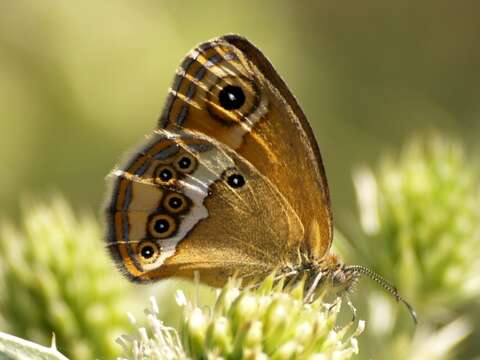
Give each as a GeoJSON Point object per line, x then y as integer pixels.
{"type": "Point", "coordinates": [81, 82]}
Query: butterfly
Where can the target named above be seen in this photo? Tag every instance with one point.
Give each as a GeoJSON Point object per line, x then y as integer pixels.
{"type": "Point", "coordinates": [231, 182]}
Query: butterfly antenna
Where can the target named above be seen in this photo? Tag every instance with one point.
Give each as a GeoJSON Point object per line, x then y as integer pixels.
{"type": "Point", "coordinates": [385, 284]}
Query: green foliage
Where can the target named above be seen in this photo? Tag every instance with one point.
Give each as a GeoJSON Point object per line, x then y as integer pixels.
{"type": "Point", "coordinates": [55, 277]}
{"type": "Point", "coordinates": [262, 323]}
{"type": "Point", "coordinates": [420, 227]}
{"type": "Point", "coordinates": [12, 347]}
{"type": "Point", "coordinates": [421, 215]}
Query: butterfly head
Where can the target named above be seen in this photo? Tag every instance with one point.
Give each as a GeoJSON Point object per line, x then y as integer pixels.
{"type": "Point", "coordinates": [330, 275]}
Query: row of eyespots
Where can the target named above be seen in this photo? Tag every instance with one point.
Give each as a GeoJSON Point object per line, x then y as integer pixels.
{"type": "Point", "coordinates": [159, 226]}
{"type": "Point", "coordinates": [166, 174]}
{"type": "Point", "coordinates": [163, 224]}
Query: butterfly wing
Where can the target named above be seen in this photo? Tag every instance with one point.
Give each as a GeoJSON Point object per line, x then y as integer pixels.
{"type": "Point", "coordinates": [227, 89]}
{"type": "Point", "coordinates": [185, 202]}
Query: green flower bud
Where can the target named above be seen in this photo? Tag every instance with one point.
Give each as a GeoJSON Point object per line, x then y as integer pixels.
{"type": "Point", "coordinates": [262, 323]}
{"type": "Point", "coordinates": [420, 214]}
{"type": "Point", "coordinates": [195, 326]}
{"type": "Point", "coordinates": [219, 335]}
{"type": "Point", "coordinates": [55, 277]}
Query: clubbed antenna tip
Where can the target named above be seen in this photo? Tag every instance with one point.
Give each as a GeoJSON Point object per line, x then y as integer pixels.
{"type": "Point", "coordinates": [385, 284]}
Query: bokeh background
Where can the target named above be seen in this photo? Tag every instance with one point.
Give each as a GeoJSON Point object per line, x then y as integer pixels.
{"type": "Point", "coordinates": [81, 82]}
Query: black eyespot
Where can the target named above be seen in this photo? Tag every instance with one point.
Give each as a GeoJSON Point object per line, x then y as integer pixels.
{"type": "Point", "coordinates": [184, 163]}
{"type": "Point", "coordinates": [236, 180]}
{"type": "Point", "coordinates": [161, 226]}
{"type": "Point", "coordinates": [147, 252]}
{"type": "Point", "coordinates": [175, 202]}
{"type": "Point", "coordinates": [231, 97]}
{"type": "Point", "coordinates": [165, 175]}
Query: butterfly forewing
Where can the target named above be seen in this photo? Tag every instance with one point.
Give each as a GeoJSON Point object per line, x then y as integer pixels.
{"type": "Point", "coordinates": [228, 90]}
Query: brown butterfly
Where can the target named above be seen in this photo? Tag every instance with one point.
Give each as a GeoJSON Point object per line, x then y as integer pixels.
{"type": "Point", "coordinates": [230, 183]}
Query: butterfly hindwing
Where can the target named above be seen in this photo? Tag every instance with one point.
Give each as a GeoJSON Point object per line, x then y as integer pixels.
{"type": "Point", "coordinates": [185, 202]}
{"type": "Point", "coordinates": [228, 90]}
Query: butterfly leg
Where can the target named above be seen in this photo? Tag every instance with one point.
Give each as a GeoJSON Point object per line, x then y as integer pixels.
{"type": "Point", "coordinates": [313, 287]}
{"type": "Point", "coordinates": [346, 298]}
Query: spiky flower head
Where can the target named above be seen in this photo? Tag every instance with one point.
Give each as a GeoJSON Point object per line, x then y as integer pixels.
{"type": "Point", "coordinates": [419, 214]}
{"type": "Point", "coordinates": [262, 323]}
{"type": "Point", "coordinates": [55, 277]}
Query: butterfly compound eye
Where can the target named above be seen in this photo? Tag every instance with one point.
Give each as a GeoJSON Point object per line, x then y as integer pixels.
{"type": "Point", "coordinates": [235, 181]}
{"type": "Point", "coordinates": [231, 97]}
